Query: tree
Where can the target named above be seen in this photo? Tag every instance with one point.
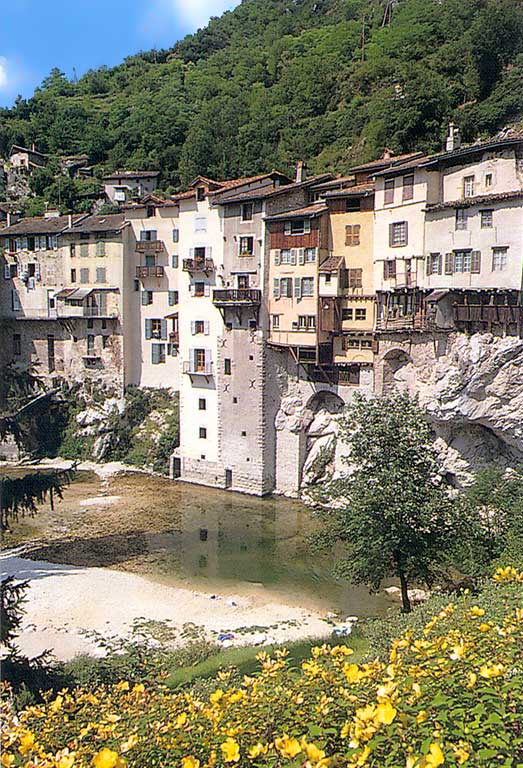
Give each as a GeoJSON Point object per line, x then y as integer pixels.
{"type": "Point", "coordinates": [391, 508]}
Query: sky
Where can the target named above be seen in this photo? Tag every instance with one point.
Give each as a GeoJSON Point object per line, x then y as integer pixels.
{"type": "Point", "coordinates": [77, 35]}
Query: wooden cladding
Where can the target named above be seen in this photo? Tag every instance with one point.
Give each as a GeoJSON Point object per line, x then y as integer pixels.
{"type": "Point", "coordinates": [278, 238]}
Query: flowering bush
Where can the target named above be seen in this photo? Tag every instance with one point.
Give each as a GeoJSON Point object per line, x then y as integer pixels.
{"type": "Point", "coordinates": [449, 694]}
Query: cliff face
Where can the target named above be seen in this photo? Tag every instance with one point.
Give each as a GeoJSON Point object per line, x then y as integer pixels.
{"type": "Point", "coordinates": [473, 393]}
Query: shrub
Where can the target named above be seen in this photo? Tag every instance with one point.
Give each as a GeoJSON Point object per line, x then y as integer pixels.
{"type": "Point", "coordinates": [449, 693]}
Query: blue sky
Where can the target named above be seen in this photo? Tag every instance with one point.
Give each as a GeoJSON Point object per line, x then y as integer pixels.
{"type": "Point", "coordinates": [37, 35]}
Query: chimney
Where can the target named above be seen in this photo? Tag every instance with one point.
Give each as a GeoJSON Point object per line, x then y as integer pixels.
{"type": "Point", "coordinates": [70, 220]}
{"type": "Point", "coordinates": [453, 138]}
{"type": "Point", "coordinates": [33, 147]}
{"type": "Point", "coordinates": [301, 171]}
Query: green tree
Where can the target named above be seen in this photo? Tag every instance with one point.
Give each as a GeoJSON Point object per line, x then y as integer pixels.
{"type": "Point", "coordinates": [391, 508]}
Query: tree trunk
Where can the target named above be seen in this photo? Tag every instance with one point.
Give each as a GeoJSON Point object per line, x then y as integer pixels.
{"type": "Point", "coordinates": [404, 592]}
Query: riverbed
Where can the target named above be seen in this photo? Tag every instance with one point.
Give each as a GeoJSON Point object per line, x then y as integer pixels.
{"type": "Point", "coordinates": [183, 553]}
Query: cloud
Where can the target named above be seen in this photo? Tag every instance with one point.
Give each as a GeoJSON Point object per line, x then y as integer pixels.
{"type": "Point", "coordinates": [175, 17]}
{"type": "Point", "coordinates": [4, 78]}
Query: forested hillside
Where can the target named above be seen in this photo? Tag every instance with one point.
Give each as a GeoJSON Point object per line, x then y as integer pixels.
{"type": "Point", "coordinates": [331, 81]}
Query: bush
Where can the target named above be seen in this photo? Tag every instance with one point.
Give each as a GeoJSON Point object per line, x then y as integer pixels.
{"type": "Point", "coordinates": [450, 692]}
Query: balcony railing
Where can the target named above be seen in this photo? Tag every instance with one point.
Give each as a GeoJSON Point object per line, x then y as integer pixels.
{"type": "Point", "coordinates": [198, 265]}
{"type": "Point", "coordinates": [233, 296]}
{"type": "Point", "coordinates": [144, 272]}
{"type": "Point", "coordinates": [150, 246]}
{"type": "Point", "coordinates": [490, 313]}
{"type": "Point", "coordinates": [174, 338]}
{"type": "Point", "coordinates": [409, 322]}
{"type": "Point", "coordinates": [202, 369]}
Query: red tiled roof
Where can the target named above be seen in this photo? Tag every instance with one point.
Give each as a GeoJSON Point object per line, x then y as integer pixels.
{"type": "Point", "coordinates": [108, 223]}
{"type": "Point", "coordinates": [40, 225]}
{"type": "Point", "coordinates": [385, 161]}
{"type": "Point", "coordinates": [467, 202]}
{"type": "Point", "coordinates": [355, 191]}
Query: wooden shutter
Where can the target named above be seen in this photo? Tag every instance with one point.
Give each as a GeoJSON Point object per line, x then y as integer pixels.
{"type": "Point", "coordinates": [174, 261]}
{"type": "Point", "coordinates": [428, 264]}
{"type": "Point", "coordinates": [170, 298]}
{"type": "Point", "coordinates": [297, 287]}
{"type": "Point", "coordinates": [193, 327]}
{"type": "Point", "coordinates": [148, 329]}
{"type": "Point", "coordinates": [277, 257]}
{"type": "Point", "coordinates": [206, 327]}
{"type": "Point", "coordinates": [191, 253]}
{"type": "Point", "coordinates": [391, 235]}
{"type": "Point", "coordinates": [449, 263]}
{"type": "Point", "coordinates": [208, 252]}
{"type": "Point", "coordinates": [475, 266]}
{"type": "Point", "coordinates": [306, 226]}
{"type": "Point", "coordinates": [206, 289]}
{"type": "Point", "coordinates": [440, 263]}
{"type": "Point", "coordinates": [406, 232]}
{"type": "Point", "coordinates": [164, 330]}
{"type": "Point", "coordinates": [287, 228]}
{"type": "Point", "coordinates": [155, 353]}
{"type": "Point", "coordinates": [7, 272]}
{"type": "Point", "coordinates": [145, 298]}
{"type": "Point", "coordinates": [301, 255]}
{"type": "Point", "coordinates": [293, 256]}
{"type": "Point", "coordinates": [176, 235]}
{"type": "Point", "coordinates": [276, 288]}
{"type": "Point", "coordinates": [375, 346]}
{"type": "Point", "coordinates": [192, 289]}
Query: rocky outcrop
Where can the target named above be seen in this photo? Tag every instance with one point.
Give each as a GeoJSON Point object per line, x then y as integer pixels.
{"type": "Point", "coordinates": [473, 392]}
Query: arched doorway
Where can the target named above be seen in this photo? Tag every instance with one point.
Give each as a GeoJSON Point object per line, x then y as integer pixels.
{"type": "Point", "coordinates": [394, 364]}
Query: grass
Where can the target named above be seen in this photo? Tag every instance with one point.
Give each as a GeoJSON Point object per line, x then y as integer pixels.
{"type": "Point", "coordinates": [244, 659]}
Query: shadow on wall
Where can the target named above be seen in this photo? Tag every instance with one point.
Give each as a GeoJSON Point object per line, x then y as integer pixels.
{"type": "Point", "coordinates": [319, 437]}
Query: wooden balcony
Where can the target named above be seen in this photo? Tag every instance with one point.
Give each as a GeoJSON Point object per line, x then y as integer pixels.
{"type": "Point", "coordinates": [236, 296]}
{"type": "Point", "coordinates": [503, 314]}
{"type": "Point", "coordinates": [150, 246]}
{"type": "Point", "coordinates": [406, 323]}
{"type": "Point", "coordinates": [198, 265]}
{"type": "Point", "coordinates": [143, 272]}
{"type": "Point", "coordinates": [204, 369]}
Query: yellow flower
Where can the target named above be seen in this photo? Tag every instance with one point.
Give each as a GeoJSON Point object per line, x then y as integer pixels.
{"type": "Point", "coordinates": [313, 752]}
{"type": "Point", "coordinates": [123, 686]}
{"type": "Point", "coordinates": [131, 742]}
{"type": "Point", "coordinates": [56, 704]}
{"type": "Point", "coordinates": [457, 652]}
{"type": "Point", "coordinates": [230, 751]}
{"type": "Point", "coordinates": [352, 673]}
{"type": "Point", "coordinates": [507, 574]}
{"type": "Point", "coordinates": [341, 650]}
{"type": "Point", "coordinates": [106, 758]}
{"type": "Point", "coordinates": [216, 697]}
{"type": "Point", "coordinates": [64, 759]}
{"type": "Point", "coordinates": [190, 762]}
{"type": "Point", "coordinates": [472, 680]}
{"type": "Point", "coordinates": [363, 756]}
{"type": "Point", "coordinates": [416, 688]}
{"type": "Point", "coordinates": [475, 611]}
{"type": "Point", "coordinates": [484, 627]}
{"type": "Point", "coordinates": [287, 747]}
{"type": "Point", "coordinates": [385, 713]}
{"type": "Point", "coordinates": [411, 761]}
{"type": "Point", "coordinates": [7, 759]}
{"type": "Point", "coordinates": [421, 716]}
{"type": "Point", "coordinates": [435, 756]}
{"type": "Point", "coordinates": [138, 688]}
{"type": "Point", "coordinates": [496, 670]}
{"type": "Point", "coordinates": [257, 750]}
{"type": "Point", "coordinates": [181, 720]}
{"type": "Point", "coordinates": [461, 753]}
{"type": "Point", "coordinates": [27, 742]}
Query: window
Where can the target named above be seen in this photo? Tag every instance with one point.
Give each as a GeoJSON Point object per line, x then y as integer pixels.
{"type": "Point", "coordinates": [105, 342]}
{"type": "Point", "coordinates": [486, 219]}
{"type": "Point", "coordinates": [90, 344]}
{"type": "Point", "coordinates": [408, 187]}
{"type": "Point", "coordinates": [147, 298]}
{"type": "Point", "coordinates": [50, 354]}
{"type": "Point", "coordinates": [137, 285]}
{"type": "Point", "coordinates": [275, 322]}
{"type": "Point", "coordinates": [244, 433]}
{"type": "Point", "coordinates": [10, 271]}
{"type": "Point", "coordinates": [297, 227]}
{"type": "Point", "coordinates": [306, 322]}
{"type": "Point", "coordinates": [310, 255]}
{"type": "Point", "coordinates": [398, 234]}
{"type": "Point", "coordinates": [199, 289]}
{"type": "Point", "coordinates": [198, 327]}
{"type": "Point", "coordinates": [246, 246]}
{"type": "Point", "coordinates": [100, 248]}
{"type": "Point", "coordinates": [90, 323]}
{"type": "Point", "coordinates": [199, 253]}
{"type": "Point", "coordinates": [202, 432]}
{"type": "Point", "coordinates": [247, 211]}
{"type": "Point", "coordinates": [389, 270]}
{"type": "Point", "coordinates": [389, 191]}
{"type": "Point", "coordinates": [200, 223]}
{"type": "Point", "coordinates": [84, 276]}
{"type": "Point", "coordinates": [499, 259]}
{"type": "Point", "coordinates": [200, 194]}
{"type": "Point", "coordinates": [227, 366]}
{"type": "Point", "coordinates": [468, 186]}
{"type": "Point", "coordinates": [461, 219]}
{"type": "Point", "coordinates": [148, 235]}
{"type": "Point", "coordinates": [200, 360]}
{"type": "Point", "coordinates": [328, 277]}
{"type": "Point", "coordinates": [434, 264]}
{"type": "Point", "coordinates": [174, 261]}
{"type": "Point", "coordinates": [488, 179]}
{"type": "Point", "coordinates": [17, 344]}
{"type": "Point", "coordinates": [202, 404]}
{"type": "Point", "coordinates": [84, 249]}
{"type": "Point", "coordinates": [462, 261]}
{"type": "Point", "coordinates": [352, 234]}
{"type": "Point", "coordinates": [355, 278]}
{"type": "Point", "coordinates": [307, 286]}
{"type": "Point", "coordinates": [72, 250]}
{"type": "Point", "coordinates": [286, 287]}
{"type": "Point", "coordinates": [156, 329]}
{"type": "Point", "coordinates": [173, 298]}
{"type": "Point", "coordinates": [176, 235]}
{"type": "Point", "coordinates": [104, 323]}
{"type": "Point", "coordinates": [286, 256]}
{"type": "Point", "coordinates": [157, 354]}
{"type": "Point", "coordinates": [347, 313]}
{"type": "Point", "coordinates": [352, 204]}
{"type": "Point", "coordinates": [73, 275]}
{"type": "Point", "coordinates": [352, 343]}
{"type": "Point", "coordinates": [242, 282]}
{"type": "Point", "coordinates": [361, 314]}
{"type": "Point", "coordinates": [101, 275]}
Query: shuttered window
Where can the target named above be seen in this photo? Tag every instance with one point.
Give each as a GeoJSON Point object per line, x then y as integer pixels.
{"type": "Point", "coordinates": [100, 248]}
{"type": "Point", "coordinates": [307, 286]}
{"type": "Point", "coordinates": [173, 298]}
{"type": "Point", "coordinates": [101, 275]}
{"type": "Point", "coordinates": [84, 276]}
{"type": "Point", "coordinates": [434, 264]}
{"type": "Point", "coordinates": [157, 353]}
{"type": "Point", "coordinates": [352, 234]}
{"type": "Point", "coordinates": [389, 270]}
{"type": "Point", "coordinates": [389, 191]}
{"type": "Point", "coordinates": [408, 187]}
{"type": "Point", "coordinates": [355, 278]}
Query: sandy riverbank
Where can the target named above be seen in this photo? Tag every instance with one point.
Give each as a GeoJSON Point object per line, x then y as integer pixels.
{"type": "Point", "coordinates": [66, 601]}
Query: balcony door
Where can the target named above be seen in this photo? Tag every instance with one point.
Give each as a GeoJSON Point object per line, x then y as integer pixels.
{"type": "Point", "coordinates": [243, 281]}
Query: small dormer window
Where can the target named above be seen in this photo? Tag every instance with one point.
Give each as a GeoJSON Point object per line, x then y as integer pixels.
{"type": "Point", "coordinates": [200, 193]}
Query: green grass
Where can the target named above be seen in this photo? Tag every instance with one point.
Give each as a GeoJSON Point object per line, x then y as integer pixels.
{"type": "Point", "coordinates": [244, 659]}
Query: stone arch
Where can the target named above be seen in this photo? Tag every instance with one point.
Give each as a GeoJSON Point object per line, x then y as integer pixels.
{"type": "Point", "coordinates": [392, 364]}
{"type": "Point", "coordinates": [319, 436]}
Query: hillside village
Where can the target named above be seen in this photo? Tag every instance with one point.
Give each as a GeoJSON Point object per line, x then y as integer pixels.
{"type": "Point", "coordinates": [268, 301]}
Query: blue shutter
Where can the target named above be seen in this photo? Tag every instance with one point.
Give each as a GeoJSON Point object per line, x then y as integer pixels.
{"type": "Point", "coordinates": [148, 329]}
{"type": "Point", "coordinates": [145, 298]}
{"type": "Point", "coordinates": [171, 298]}
{"type": "Point", "coordinates": [155, 353]}
{"type": "Point", "coordinates": [176, 235]}
{"type": "Point", "coordinates": [174, 261]}
{"type": "Point", "coordinates": [164, 330]}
